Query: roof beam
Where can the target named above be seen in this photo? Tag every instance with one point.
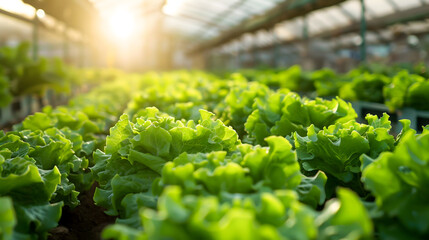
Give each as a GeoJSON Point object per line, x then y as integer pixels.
{"type": "Point", "coordinates": [205, 22]}
{"type": "Point", "coordinates": [354, 20]}
{"type": "Point", "coordinates": [374, 24]}
{"type": "Point", "coordinates": [16, 16]}
{"type": "Point", "coordinates": [284, 11]}
{"type": "Point", "coordinates": [220, 17]}
{"type": "Point", "coordinates": [394, 5]}
{"type": "Point", "coordinates": [77, 14]}
{"type": "Point", "coordinates": [31, 21]}
{"type": "Point", "coordinates": [346, 13]}
{"type": "Point", "coordinates": [413, 14]}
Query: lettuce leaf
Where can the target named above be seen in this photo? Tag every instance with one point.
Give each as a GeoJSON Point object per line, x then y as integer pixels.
{"type": "Point", "coordinates": [398, 179]}
{"type": "Point", "coordinates": [282, 115]}
{"type": "Point", "coordinates": [136, 153]}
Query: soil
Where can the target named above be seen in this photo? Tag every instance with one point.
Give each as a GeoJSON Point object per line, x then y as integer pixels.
{"type": "Point", "coordinates": [86, 221]}
{"type": "Point", "coordinates": [9, 126]}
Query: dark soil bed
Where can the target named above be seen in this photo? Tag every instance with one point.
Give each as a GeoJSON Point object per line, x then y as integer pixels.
{"type": "Point", "coordinates": [86, 221]}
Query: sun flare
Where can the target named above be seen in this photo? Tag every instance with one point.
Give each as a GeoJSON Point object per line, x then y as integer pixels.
{"type": "Point", "coordinates": [122, 24]}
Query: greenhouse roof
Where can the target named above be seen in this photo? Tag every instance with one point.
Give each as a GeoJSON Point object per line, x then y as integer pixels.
{"type": "Point", "coordinates": [78, 14]}
{"type": "Point", "coordinates": [211, 24]}
{"type": "Point", "coordinates": [197, 19]}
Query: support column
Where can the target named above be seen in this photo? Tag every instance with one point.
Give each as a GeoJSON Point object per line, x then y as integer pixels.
{"type": "Point", "coordinates": [363, 31]}
{"type": "Point", "coordinates": [210, 62]}
{"type": "Point", "coordinates": [238, 58]}
{"type": "Point", "coordinates": [305, 28]}
{"type": "Point", "coordinates": [65, 45]}
{"type": "Point", "coordinates": [304, 55]}
{"type": "Point", "coordinates": [35, 40]}
{"type": "Point", "coordinates": [275, 48]}
{"type": "Point", "coordinates": [82, 52]}
{"type": "Point", "coordinates": [254, 50]}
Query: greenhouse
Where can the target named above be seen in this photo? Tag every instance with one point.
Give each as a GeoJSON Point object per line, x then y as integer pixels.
{"type": "Point", "coordinates": [218, 120]}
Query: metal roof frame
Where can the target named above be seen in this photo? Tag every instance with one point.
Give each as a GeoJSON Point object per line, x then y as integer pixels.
{"type": "Point", "coordinates": [212, 29]}
{"type": "Point", "coordinates": [222, 15]}
{"type": "Point", "coordinates": [413, 14]}
{"type": "Point", "coordinates": [208, 22]}
{"type": "Point", "coordinates": [77, 14]}
{"type": "Point", "coordinates": [286, 10]}
{"type": "Point", "coordinates": [374, 25]}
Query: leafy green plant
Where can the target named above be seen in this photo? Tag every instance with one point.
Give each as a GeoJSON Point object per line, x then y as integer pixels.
{"type": "Point", "coordinates": [397, 93]}
{"type": "Point", "coordinates": [216, 171]}
{"type": "Point", "coordinates": [327, 82]}
{"type": "Point", "coordinates": [277, 215]}
{"type": "Point", "coordinates": [5, 95]}
{"type": "Point", "coordinates": [417, 96]}
{"type": "Point", "coordinates": [44, 161]}
{"type": "Point", "coordinates": [26, 173]}
{"type": "Point", "coordinates": [7, 218]}
{"type": "Point", "coordinates": [308, 170]}
{"type": "Point", "coordinates": [283, 114]}
{"type": "Point", "coordinates": [398, 181]}
{"type": "Point", "coordinates": [27, 76]}
{"type": "Point", "coordinates": [365, 87]}
{"type": "Point", "coordinates": [336, 149]}
{"type": "Point", "coordinates": [240, 103]}
{"type": "Point", "coordinates": [135, 153]}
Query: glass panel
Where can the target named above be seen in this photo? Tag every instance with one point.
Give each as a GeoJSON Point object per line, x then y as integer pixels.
{"type": "Point", "coordinates": [283, 33]}
{"type": "Point", "coordinates": [18, 7]}
{"type": "Point", "coordinates": [325, 19]}
{"type": "Point", "coordinates": [290, 30]}
{"type": "Point", "coordinates": [197, 13]}
{"type": "Point", "coordinates": [13, 31]}
{"type": "Point", "coordinates": [353, 7]}
{"type": "Point", "coordinates": [407, 4]}
{"type": "Point", "coordinates": [262, 38]}
{"type": "Point", "coordinates": [371, 37]}
{"type": "Point", "coordinates": [190, 12]}
{"type": "Point", "coordinates": [212, 33]}
{"type": "Point", "coordinates": [386, 34]}
{"type": "Point", "coordinates": [417, 27]}
{"type": "Point", "coordinates": [379, 8]}
{"type": "Point", "coordinates": [317, 23]}
{"type": "Point", "coordinates": [234, 17]}
{"type": "Point", "coordinates": [185, 26]}
{"type": "Point", "coordinates": [337, 17]}
{"type": "Point", "coordinates": [255, 6]}
{"type": "Point", "coordinates": [208, 19]}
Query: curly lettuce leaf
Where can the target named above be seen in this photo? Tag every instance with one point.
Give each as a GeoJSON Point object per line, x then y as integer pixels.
{"type": "Point", "coordinates": [345, 218]}
{"type": "Point", "coordinates": [136, 152]}
{"type": "Point", "coordinates": [398, 179]}
{"type": "Point", "coordinates": [282, 115]}
{"type": "Point", "coordinates": [7, 218]}
{"type": "Point", "coordinates": [335, 150]}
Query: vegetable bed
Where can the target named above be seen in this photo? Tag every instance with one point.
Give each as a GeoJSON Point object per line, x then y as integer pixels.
{"type": "Point", "coordinates": [188, 155]}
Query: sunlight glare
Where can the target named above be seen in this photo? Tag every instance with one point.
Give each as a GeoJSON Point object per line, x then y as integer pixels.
{"type": "Point", "coordinates": [40, 13]}
{"type": "Point", "coordinates": [172, 7]}
{"type": "Point", "coordinates": [18, 7]}
{"type": "Point", "coordinates": [121, 24]}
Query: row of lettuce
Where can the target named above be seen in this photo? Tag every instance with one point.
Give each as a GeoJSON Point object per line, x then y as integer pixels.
{"type": "Point", "coordinates": [22, 75]}
{"type": "Point", "coordinates": [395, 86]}
{"type": "Point", "coordinates": [44, 161]}
{"type": "Point", "coordinates": [288, 168]}
{"type": "Point", "coordinates": [197, 157]}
